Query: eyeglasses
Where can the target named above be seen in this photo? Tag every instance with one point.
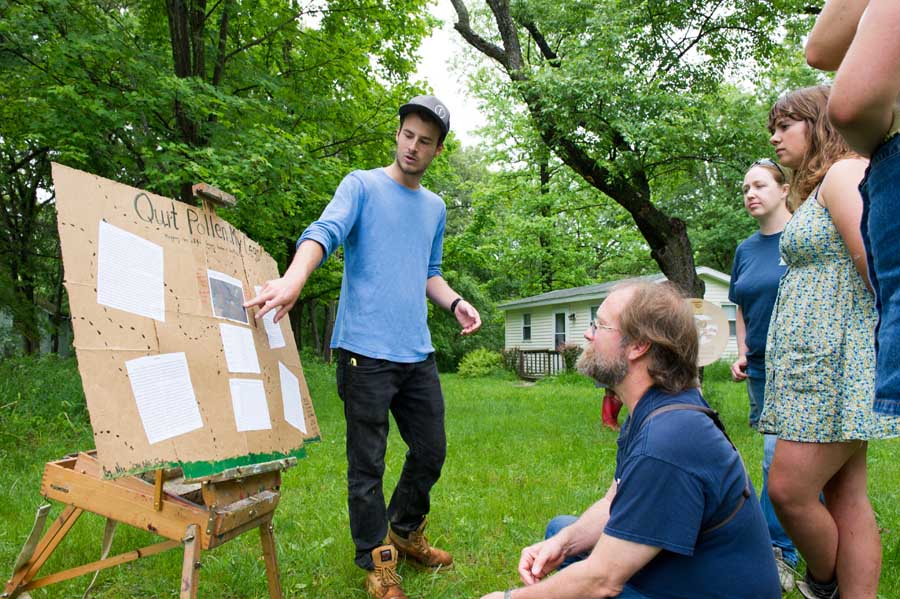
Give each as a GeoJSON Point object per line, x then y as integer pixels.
{"type": "Point", "coordinates": [596, 325]}
{"type": "Point", "coordinates": [769, 162]}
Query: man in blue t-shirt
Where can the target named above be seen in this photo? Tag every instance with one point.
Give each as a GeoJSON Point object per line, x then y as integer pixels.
{"type": "Point", "coordinates": [392, 230]}
{"type": "Point", "coordinates": [680, 519]}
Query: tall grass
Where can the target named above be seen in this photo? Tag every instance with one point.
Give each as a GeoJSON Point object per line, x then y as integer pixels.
{"type": "Point", "coordinates": [517, 455]}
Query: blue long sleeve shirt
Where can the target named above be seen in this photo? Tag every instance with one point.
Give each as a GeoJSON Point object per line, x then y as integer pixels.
{"type": "Point", "coordinates": [393, 243]}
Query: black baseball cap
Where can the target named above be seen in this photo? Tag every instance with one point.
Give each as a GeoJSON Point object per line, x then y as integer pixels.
{"type": "Point", "coordinates": [432, 106]}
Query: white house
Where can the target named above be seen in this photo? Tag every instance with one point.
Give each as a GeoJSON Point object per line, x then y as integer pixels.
{"type": "Point", "coordinates": [545, 321]}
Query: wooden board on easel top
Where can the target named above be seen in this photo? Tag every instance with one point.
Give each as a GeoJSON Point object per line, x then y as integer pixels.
{"type": "Point", "coordinates": [191, 242]}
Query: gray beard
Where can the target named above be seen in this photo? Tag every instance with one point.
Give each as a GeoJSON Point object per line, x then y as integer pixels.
{"type": "Point", "coordinates": [608, 373]}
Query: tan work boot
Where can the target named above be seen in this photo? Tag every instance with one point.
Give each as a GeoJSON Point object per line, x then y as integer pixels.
{"type": "Point", "coordinates": [383, 582]}
{"type": "Point", "coordinates": [415, 547]}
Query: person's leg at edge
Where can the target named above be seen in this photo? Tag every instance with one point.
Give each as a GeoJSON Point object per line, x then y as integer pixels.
{"type": "Point", "coordinates": [418, 410]}
{"type": "Point", "coordinates": [879, 228]}
{"type": "Point", "coordinates": [779, 537]}
{"type": "Point", "coordinates": [756, 393]}
{"type": "Point", "coordinates": [799, 473]}
{"type": "Point", "coordinates": [366, 390]}
{"type": "Point", "coordinates": [858, 561]}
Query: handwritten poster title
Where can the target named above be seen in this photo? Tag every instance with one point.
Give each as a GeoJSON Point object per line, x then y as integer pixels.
{"type": "Point", "coordinates": [198, 224]}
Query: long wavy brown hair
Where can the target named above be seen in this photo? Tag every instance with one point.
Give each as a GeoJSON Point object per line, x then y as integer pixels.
{"type": "Point", "coordinates": [825, 145]}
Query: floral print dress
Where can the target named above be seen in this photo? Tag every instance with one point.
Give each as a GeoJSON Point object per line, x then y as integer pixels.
{"type": "Point", "coordinates": [820, 353]}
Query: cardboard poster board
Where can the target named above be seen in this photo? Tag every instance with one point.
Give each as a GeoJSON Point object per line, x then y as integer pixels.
{"type": "Point", "coordinates": [175, 372]}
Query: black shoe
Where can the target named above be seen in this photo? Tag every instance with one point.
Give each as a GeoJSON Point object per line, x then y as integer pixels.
{"type": "Point", "coordinates": [812, 589]}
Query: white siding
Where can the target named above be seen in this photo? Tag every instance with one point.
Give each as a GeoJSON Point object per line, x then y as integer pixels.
{"type": "Point", "coordinates": [543, 325]}
{"type": "Point", "coordinates": [543, 320]}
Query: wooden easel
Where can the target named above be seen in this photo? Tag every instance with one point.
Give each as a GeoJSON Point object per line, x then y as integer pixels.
{"type": "Point", "coordinates": [219, 509]}
{"type": "Point", "coordinates": [198, 514]}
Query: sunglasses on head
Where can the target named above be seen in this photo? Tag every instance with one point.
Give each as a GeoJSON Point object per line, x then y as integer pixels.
{"type": "Point", "coordinates": [769, 162]}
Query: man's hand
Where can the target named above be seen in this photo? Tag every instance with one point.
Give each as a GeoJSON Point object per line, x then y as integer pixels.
{"type": "Point", "coordinates": [280, 294]}
{"type": "Point", "coordinates": [540, 559]}
{"type": "Point", "coordinates": [495, 595]}
{"type": "Point", "coordinates": [283, 293]}
{"type": "Point", "coordinates": [739, 369]}
{"type": "Point", "coordinates": [467, 316]}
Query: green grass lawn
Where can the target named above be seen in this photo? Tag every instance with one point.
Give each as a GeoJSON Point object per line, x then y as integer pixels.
{"type": "Point", "coordinates": [517, 456]}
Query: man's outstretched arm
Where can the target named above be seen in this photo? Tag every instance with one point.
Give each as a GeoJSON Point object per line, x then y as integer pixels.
{"type": "Point", "coordinates": [281, 294]}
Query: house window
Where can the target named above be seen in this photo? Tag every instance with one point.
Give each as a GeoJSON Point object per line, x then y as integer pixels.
{"type": "Point", "coordinates": [526, 327]}
{"type": "Point", "coordinates": [559, 337]}
{"type": "Point", "coordinates": [731, 314]}
{"type": "Point", "coordinates": [592, 313]}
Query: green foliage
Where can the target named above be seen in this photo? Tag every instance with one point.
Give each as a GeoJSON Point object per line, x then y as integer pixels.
{"type": "Point", "coordinates": [42, 407]}
{"type": "Point", "coordinates": [280, 100]}
{"type": "Point", "coordinates": [480, 362]}
{"type": "Point", "coordinates": [511, 359]}
{"type": "Point", "coordinates": [656, 106]}
{"type": "Point", "coordinates": [449, 345]}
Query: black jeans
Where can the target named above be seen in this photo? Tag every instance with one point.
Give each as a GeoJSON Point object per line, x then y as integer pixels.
{"type": "Point", "coordinates": [370, 388]}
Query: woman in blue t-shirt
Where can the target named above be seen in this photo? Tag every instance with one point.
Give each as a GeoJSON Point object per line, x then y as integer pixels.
{"type": "Point", "coordinates": [755, 275]}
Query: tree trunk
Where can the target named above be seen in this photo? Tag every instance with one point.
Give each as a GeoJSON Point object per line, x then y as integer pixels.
{"type": "Point", "coordinates": [329, 328]}
{"type": "Point", "coordinates": [314, 326]}
{"type": "Point", "coordinates": [296, 319]}
{"type": "Point", "coordinates": [57, 316]}
{"type": "Point", "coordinates": [544, 211]}
{"type": "Point", "coordinates": [666, 236]}
{"type": "Point", "coordinates": [187, 21]}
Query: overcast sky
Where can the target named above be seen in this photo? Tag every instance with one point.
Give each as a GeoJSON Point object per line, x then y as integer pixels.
{"type": "Point", "coordinates": [434, 69]}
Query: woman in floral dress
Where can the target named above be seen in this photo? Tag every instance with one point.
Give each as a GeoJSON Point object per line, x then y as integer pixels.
{"type": "Point", "coordinates": [820, 358]}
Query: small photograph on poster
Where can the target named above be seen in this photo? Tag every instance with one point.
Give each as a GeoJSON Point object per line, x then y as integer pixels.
{"type": "Point", "coordinates": [227, 295]}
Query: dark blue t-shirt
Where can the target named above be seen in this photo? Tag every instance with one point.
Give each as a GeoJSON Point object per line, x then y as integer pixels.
{"type": "Point", "coordinates": [755, 276]}
{"type": "Point", "coordinates": [678, 475]}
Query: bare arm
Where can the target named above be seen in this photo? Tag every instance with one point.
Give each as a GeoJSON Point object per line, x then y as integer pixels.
{"type": "Point", "coordinates": [867, 84]}
{"type": "Point", "coordinates": [283, 293]}
{"type": "Point", "coordinates": [840, 194]}
{"type": "Point", "coordinates": [603, 574]}
{"type": "Point", "coordinates": [739, 367]}
{"type": "Point", "coordinates": [439, 292]}
{"type": "Point", "coordinates": [833, 32]}
{"type": "Point", "coordinates": [540, 559]}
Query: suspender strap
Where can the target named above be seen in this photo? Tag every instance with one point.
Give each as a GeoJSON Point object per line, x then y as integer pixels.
{"type": "Point", "coordinates": [714, 416]}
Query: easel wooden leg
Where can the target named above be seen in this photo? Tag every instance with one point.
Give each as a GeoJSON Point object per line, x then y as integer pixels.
{"type": "Point", "coordinates": [44, 550]}
{"type": "Point", "coordinates": [268, 546]}
{"type": "Point", "coordinates": [191, 568]}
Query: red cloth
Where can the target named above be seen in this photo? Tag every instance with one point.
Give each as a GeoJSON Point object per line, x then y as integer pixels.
{"type": "Point", "coordinates": [610, 411]}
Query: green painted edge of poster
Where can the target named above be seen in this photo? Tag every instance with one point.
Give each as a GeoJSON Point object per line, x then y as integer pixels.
{"type": "Point", "coordinates": [203, 469]}
{"type": "Point", "coordinates": [200, 469]}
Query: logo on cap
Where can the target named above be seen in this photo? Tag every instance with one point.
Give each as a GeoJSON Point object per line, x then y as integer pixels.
{"type": "Point", "coordinates": [440, 110]}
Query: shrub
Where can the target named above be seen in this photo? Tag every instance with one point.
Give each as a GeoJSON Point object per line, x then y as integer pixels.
{"type": "Point", "coordinates": [569, 353]}
{"type": "Point", "coordinates": [480, 362]}
{"type": "Point", "coordinates": [511, 359]}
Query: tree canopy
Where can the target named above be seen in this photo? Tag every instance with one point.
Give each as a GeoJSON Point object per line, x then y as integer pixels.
{"type": "Point", "coordinates": [618, 131]}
